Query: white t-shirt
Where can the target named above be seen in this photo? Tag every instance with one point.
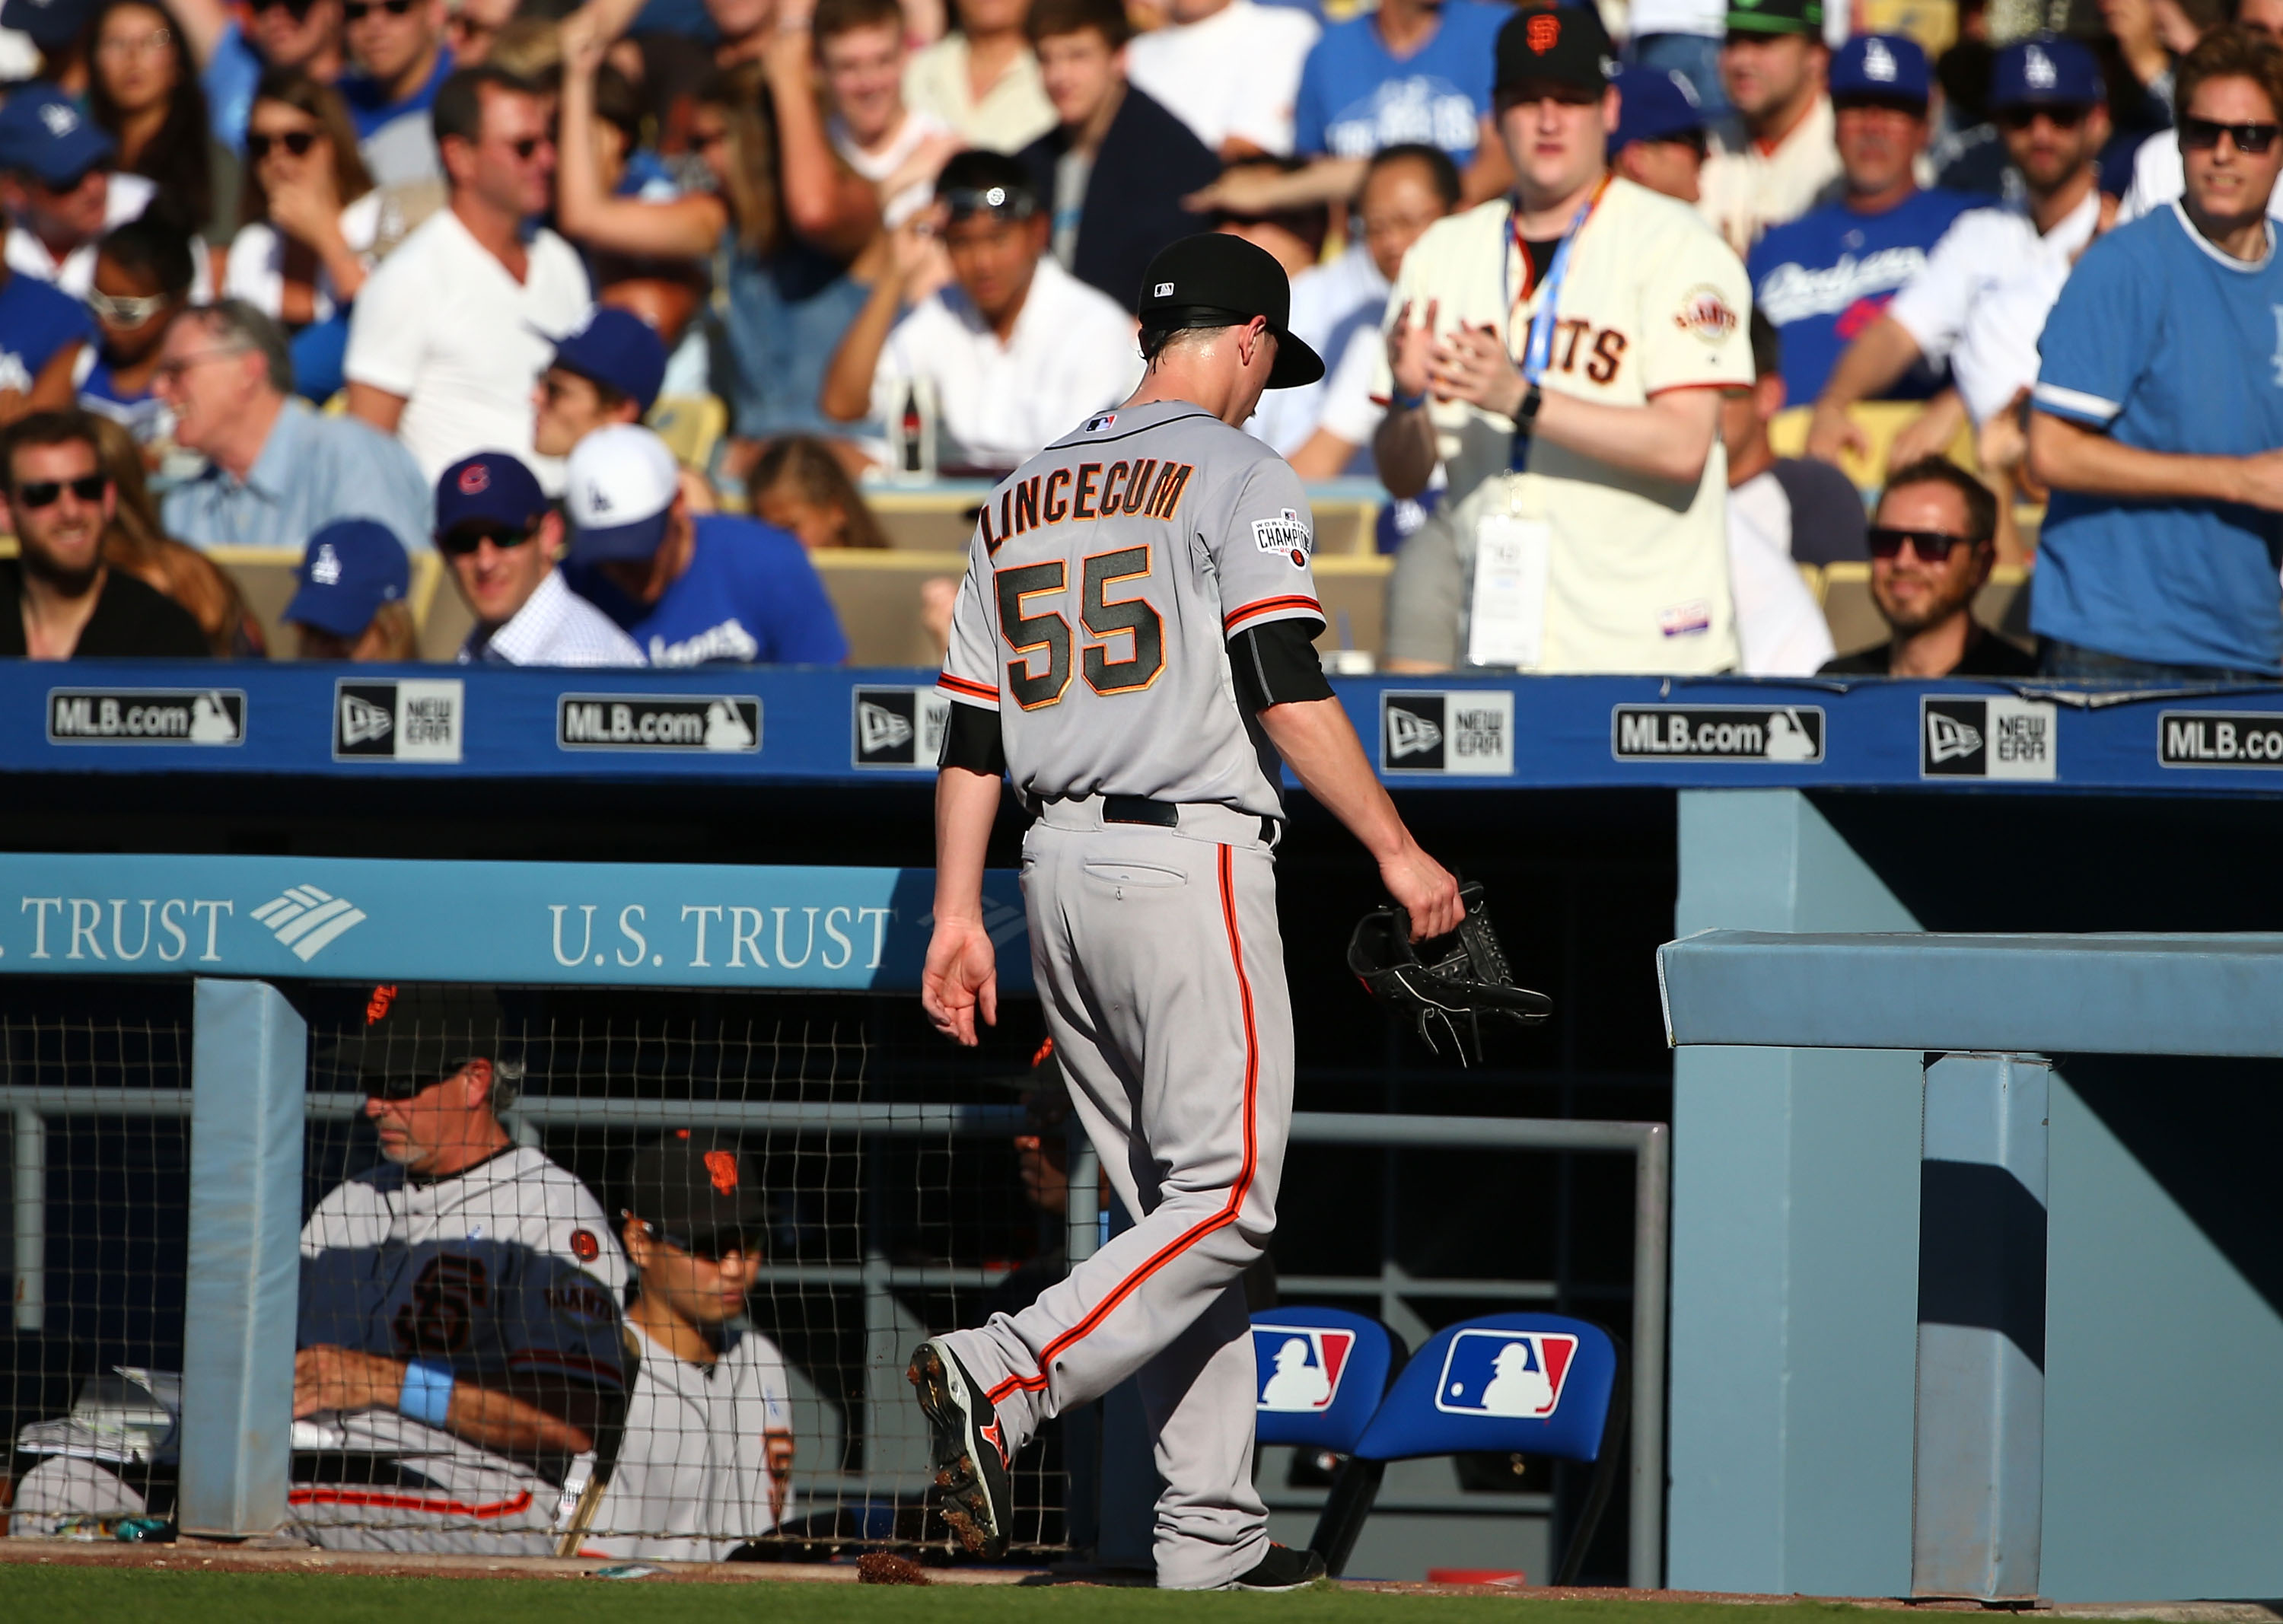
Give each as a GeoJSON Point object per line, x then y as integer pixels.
{"type": "Point", "coordinates": [1743, 193]}
{"type": "Point", "coordinates": [877, 167]}
{"type": "Point", "coordinates": [125, 198]}
{"type": "Point", "coordinates": [443, 325]}
{"type": "Point", "coordinates": [1707, 19]}
{"type": "Point", "coordinates": [1330, 303]}
{"type": "Point", "coordinates": [1072, 353]}
{"type": "Point", "coordinates": [1981, 299]}
{"type": "Point", "coordinates": [255, 271]}
{"type": "Point", "coordinates": [1235, 74]}
{"type": "Point", "coordinates": [1780, 630]}
{"type": "Point", "coordinates": [2158, 176]}
{"type": "Point", "coordinates": [693, 1478]}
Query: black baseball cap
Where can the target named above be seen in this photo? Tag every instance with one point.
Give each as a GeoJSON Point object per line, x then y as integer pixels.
{"type": "Point", "coordinates": [1562, 44]}
{"type": "Point", "coordinates": [696, 1191]}
{"type": "Point", "coordinates": [1776, 17]}
{"type": "Point", "coordinates": [413, 1036]}
{"type": "Point", "coordinates": [1216, 280]}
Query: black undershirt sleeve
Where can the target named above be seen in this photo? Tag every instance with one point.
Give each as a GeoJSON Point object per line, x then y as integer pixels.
{"type": "Point", "coordinates": [1276, 664]}
{"type": "Point", "coordinates": [970, 740]}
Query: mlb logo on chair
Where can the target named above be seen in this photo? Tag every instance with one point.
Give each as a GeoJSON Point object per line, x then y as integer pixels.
{"type": "Point", "coordinates": [1299, 1367]}
{"type": "Point", "coordinates": [1507, 1373]}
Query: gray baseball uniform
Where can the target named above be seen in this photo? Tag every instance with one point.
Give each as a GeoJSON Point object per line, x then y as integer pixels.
{"type": "Point", "coordinates": [1103, 583]}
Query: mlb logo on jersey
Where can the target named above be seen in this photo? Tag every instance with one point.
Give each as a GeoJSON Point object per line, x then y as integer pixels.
{"type": "Point", "coordinates": [1515, 1373]}
{"type": "Point", "coordinates": [1299, 1368]}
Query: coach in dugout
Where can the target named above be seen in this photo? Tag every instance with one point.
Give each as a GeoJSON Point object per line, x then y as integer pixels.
{"type": "Point", "coordinates": [1562, 355]}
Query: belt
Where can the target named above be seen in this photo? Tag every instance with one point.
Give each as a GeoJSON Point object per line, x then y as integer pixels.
{"type": "Point", "coordinates": [1162, 815]}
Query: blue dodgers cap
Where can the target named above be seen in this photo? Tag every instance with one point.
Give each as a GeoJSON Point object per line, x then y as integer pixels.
{"type": "Point", "coordinates": [53, 24]}
{"type": "Point", "coordinates": [491, 486]}
{"type": "Point", "coordinates": [2048, 71]}
{"type": "Point", "coordinates": [618, 489]}
{"type": "Point", "coordinates": [618, 350]}
{"type": "Point", "coordinates": [43, 133]}
{"type": "Point", "coordinates": [351, 568]}
{"type": "Point", "coordinates": [1883, 67]}
{"type": "Point", "coordinates": [1654, 103]}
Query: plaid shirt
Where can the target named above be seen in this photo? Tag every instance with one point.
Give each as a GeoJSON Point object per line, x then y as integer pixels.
{"type": "Point", "coordinates": [555, 626]}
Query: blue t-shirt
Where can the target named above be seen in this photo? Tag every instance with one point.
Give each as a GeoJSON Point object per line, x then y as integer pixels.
{"type": "Point", "coordinates": [750, 596]}
{"type": "Point", "coordinates": [1357, 97]}
{"type": "Point", "coordinates": [2170, 345]}
{"type": "Point", "coordinates": [1825, 276]}
{"type": "Point", "coordinates": [229, 79]}
{"type": "Point", "coordinates": [35, 321]}
{"type": "Point", "coordinates": [369, 107]}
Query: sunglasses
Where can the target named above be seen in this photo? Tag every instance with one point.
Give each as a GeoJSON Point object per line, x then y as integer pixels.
{"type": "Point", "coordinates": [529, 144]}
{"type": "Point", "coordinates": [1932, 546]}
{"type": "Point", "coordinates": [2018, 119]}
{"type": "Point", "coordinates": [125, 309]}
{"type": "Point", "coordinates": [259, 146]}
{"type": "Point", "coordinates": [299, 10]}
{"type": "Point", "coordinates": [462, 540]}
{"type": "Point", "coordinates": [357, 11]}
{"type": "Point", "coordinates": [2202, 135]}
{"type": "Point", "coordinates": [47, 493]}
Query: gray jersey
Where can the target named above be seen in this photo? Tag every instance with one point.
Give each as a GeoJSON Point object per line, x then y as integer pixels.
{"type": "Point", "coordinates": [1104, 580]}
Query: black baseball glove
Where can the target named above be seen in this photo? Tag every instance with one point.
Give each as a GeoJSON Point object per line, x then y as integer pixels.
{"type": "Point", "coordinates": [1448, 983]}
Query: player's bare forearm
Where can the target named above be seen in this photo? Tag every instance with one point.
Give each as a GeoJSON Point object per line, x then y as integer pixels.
{"type": "Point", "coordinates": [2067, 456]}
{"type": "Point", "coordinates": [1404, 449]}
{"type": "Point", "coordinates": [961, 978]}
{"type": "Point", "coordinates": [528, 1418]}
{"type": "Point", "coordinates": [1320, 745]}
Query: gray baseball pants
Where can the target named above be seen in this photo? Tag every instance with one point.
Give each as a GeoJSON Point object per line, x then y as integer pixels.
{"type": "Point", "coordinates": [1159, 960]}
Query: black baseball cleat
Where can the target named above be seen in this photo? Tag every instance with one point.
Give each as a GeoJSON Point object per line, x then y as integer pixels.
{"type": "Point", "coordinates": [1282, 1568]}
{"type": "Point", "coordinates": [969, 1452]}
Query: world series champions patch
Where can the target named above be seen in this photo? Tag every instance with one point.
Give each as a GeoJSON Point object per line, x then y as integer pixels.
{"type": "Point", "coordinates": [1288, 532]}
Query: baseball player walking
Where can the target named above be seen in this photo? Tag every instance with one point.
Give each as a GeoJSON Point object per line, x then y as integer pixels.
{"type": "Point", "coordinates": [1132, 648]}
{"type": "Point", "coordinates": [707, 1453]}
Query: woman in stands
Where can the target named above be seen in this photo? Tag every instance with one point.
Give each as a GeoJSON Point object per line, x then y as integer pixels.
{"type": "Point", "coordinates": [349, 602]}
{"type": "Point", "coordinates": [799, 485]}
{"type": "Point", "coordinates": [309, 218]}
{"type": "Point", "coordinates": [145, 91]}
{"type": "Point", "coordinates": [787, 223]}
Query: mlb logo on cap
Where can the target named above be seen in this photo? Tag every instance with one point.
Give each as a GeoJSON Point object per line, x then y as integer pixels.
{"type": "Point", "coordinates": [1508, 1373]}
{"type": "Point", "coordinates": [2039, 70]}
{"type": "Point", "coordinates": [1299, 1367]}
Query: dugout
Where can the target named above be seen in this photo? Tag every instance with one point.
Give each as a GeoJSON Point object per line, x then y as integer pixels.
{"type": "Point", "coordinates": [1607, 816]}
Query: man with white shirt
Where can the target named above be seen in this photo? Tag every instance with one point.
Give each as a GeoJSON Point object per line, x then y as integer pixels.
{"type": "Point", "coordinates": [1981, 300]}
{"type": "Point", "coordinates": [501, 538]}
{"type": "Point", "coordinates": [453, 328]}
{"type": "Point", "coordinates": [860, 54]}
{"type": "Point", "coordinates": [2158, 175]}
{"type": "Point", "coordinates": [1773, 65]}
{"type": "Point", "coordinates": [1015, 350]}
{"type": "Point", "coordinates": [1229, 69]}
{"type": "Point", "coordinates": [57, 184]}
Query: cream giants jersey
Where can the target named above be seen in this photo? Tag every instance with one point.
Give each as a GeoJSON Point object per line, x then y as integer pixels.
{"type": "Point", "coordinates": [1105, 578]}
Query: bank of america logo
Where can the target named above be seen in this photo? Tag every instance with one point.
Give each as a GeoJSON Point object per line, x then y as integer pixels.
{"type": "Point", "coordinates": [308, 920]}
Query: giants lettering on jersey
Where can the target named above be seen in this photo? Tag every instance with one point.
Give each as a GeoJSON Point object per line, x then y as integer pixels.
{"type": "Point", "coordinates": [1090, 492]}
{"type": "Point", "coordinates": [1600, 354]}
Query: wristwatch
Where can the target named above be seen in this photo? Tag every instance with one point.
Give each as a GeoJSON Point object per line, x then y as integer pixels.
{"type": "Point", "coordinates": [1527, 414]}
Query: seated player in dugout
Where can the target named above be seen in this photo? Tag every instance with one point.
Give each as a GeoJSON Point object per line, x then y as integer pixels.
{"type": "Point", "coordinates": [459, 1347]}
{"type": "Point", "coordinates": [706, 1459]}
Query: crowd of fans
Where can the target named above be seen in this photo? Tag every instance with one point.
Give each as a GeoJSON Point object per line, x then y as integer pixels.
{"type": "Point", "coordinates": [364, 277]}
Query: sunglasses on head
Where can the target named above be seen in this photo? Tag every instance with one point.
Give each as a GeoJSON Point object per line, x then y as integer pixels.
{"type": "Point", "coordinates": [357, 11]}
{"type": "Point", "coordinates": [260, 144]}
{"type": "Point", "coordinates": [2061, 117]}
{"type": "Point", "coordinates": [2202, 135]}
{"type": "Point", "coordinates": [462, 540]}
{"type": "Point", "coordinates": [1933, 546]}
{"type": "Point", "coordinates": [47, 493]}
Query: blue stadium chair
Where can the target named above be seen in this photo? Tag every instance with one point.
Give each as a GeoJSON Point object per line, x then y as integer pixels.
{"type": "Point", "coordinates": [1322, 1373]}
{"type": "Point", "coordinates": [1528, 1383]}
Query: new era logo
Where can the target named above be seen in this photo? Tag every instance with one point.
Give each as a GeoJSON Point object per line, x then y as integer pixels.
{"type": "Point", "coordinates": [1505, 1373]}
{"type": "Point", "coordinates": [1948, 739]}
{"type": "Point", "coordinates": [1410, 735]}
{"type": "Point", "coordinates": [1299, 1369]}
{"type": "Point", "coordinates": [879, 730]}
{"type": "Point", "coordinates": [364, 721]}
{"type": "Point", "coordinates": [308, 920]}
{"type": "Point", "coordinates": [899, 727]}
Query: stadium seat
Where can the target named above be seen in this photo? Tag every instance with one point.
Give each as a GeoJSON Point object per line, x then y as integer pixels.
{"type": "Point", "coordinates": [1529, 1384]}
{"type": "Point", "coordinates": [691, 425]}
{"type": "Point", "coordinates": [1322, 1373]}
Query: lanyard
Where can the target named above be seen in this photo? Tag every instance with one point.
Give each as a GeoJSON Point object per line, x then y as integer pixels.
{"type": "Point", "coordinates": [1538, 349]}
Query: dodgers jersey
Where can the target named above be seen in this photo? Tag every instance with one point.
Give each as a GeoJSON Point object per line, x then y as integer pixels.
{"type": "Point", "coordinates": [1104, 580]}
{"type": "Point", "coordinates": [2167, 344]}
{"type": "Point", "coordinates": [692, 1478]}
{"type": "Point", "coordinates": [505, 1267]}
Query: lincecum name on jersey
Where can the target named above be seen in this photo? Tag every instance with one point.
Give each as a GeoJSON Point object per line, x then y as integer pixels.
{"type": "Point", "coordinates": [649, 722]}
{"type": "Point", "coordinates": [1717, 732]}
{"type": "Point", "coordinates": [148, 716]}
{"type": "Point", "coordinates": [1089, 491]}
{"type": "Point", "coordinates": [2219, 738]}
